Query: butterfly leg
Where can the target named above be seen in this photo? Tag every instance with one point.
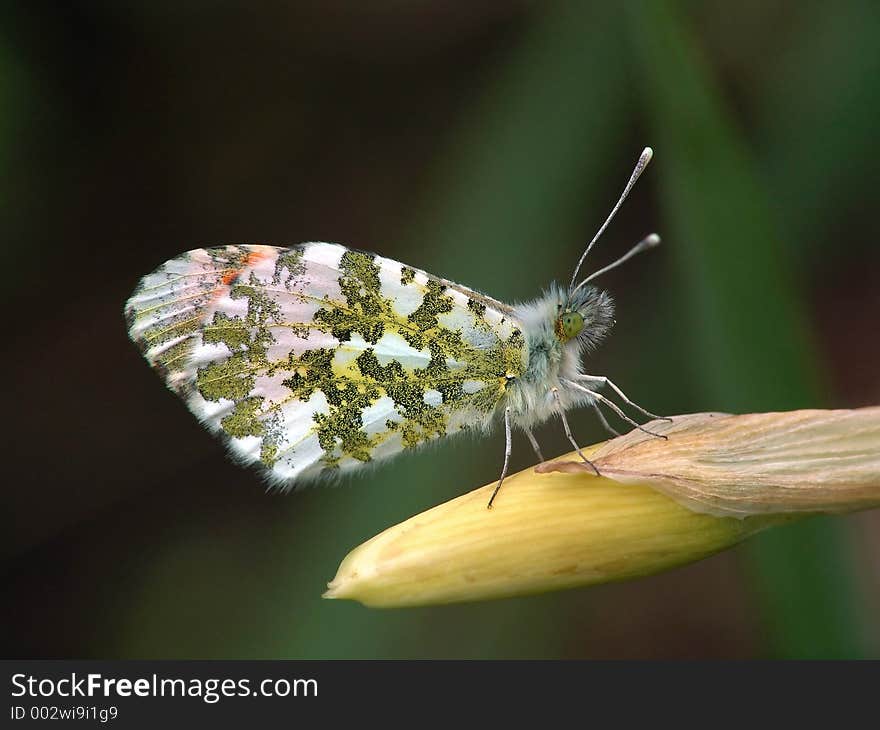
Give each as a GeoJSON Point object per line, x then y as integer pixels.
{"type": "Point", "coordinates": [604, 421]}
{"type": "Point", "coordinates": [565, 426]}
{"type": "Point", "coordinates": [602, 380]}
{"type": "Point", "coordinates": [534, 442]}
{"type": "Point", "coordinates": [508, 447]}
{"type": "Point", "coordinates": [613, 406]}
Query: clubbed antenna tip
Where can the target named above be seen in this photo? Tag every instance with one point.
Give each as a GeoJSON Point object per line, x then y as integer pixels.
{"type": "Point", "coordinates": [641, 164]}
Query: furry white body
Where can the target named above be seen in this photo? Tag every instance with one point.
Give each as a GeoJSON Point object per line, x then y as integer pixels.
{"type": "Point", "coordinates": [552, 363]}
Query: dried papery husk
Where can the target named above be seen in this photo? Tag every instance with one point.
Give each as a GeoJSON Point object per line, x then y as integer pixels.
{"type": "Point", "coordinates": [660, 503]}
{"type": "Point", "coordinates": [759, 463]}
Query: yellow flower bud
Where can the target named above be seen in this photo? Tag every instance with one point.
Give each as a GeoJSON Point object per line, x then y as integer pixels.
{"type": "Point", "coordinates": [559, 526]}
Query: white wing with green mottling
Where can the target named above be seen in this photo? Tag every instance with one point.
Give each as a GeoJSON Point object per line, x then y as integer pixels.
{"type": "Point", "coordinates": [317, 358]}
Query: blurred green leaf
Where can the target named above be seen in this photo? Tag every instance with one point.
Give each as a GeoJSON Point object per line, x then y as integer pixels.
{"type": "Point", "coordinates": [750, 333]}
{"type": "Point", "coordinates": [818, 109]}
{"type": "Point", "coordinates": [510, 201]}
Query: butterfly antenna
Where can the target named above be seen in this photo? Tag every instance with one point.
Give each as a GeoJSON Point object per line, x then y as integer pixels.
{"type": "Point", "coordinates": [647, 242]}
{"type": "Point", "coordinates": [644, 159]}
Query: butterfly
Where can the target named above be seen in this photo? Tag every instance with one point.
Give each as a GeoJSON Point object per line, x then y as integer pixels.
{"type": "Point", "coordinates": [318, 359]}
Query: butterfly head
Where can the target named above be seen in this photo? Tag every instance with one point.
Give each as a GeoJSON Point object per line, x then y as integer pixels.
{"type": "Point", "coordinates": [585, 316]}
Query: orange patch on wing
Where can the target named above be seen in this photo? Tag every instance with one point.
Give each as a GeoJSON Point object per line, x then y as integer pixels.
{"type": "Point", "coordinates": [249, 260]}
{"type": "Point", "coordinates": [230, 276]}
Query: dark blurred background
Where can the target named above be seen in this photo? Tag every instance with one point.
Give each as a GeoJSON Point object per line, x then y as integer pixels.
{"type": "Point", "coordinates": [484, 142]}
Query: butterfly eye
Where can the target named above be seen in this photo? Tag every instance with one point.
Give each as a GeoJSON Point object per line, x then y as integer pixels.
{"type": "Point", "coordinates": [571, 324]}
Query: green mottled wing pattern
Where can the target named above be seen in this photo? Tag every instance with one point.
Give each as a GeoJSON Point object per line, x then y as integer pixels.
{"type": "Point", "coordinates": [314, 359]}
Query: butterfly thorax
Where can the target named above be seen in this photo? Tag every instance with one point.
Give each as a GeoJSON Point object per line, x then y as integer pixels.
{"type": "Point", "coordinates": [554, 355]}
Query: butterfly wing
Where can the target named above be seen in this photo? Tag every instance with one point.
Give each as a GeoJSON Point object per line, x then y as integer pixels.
{"type": "Point", "coordinates": [317, 358]}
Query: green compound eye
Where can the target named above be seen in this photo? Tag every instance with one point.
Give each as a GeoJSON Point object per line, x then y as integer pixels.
{"type": "Point", "coordinates": [571, 324]}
